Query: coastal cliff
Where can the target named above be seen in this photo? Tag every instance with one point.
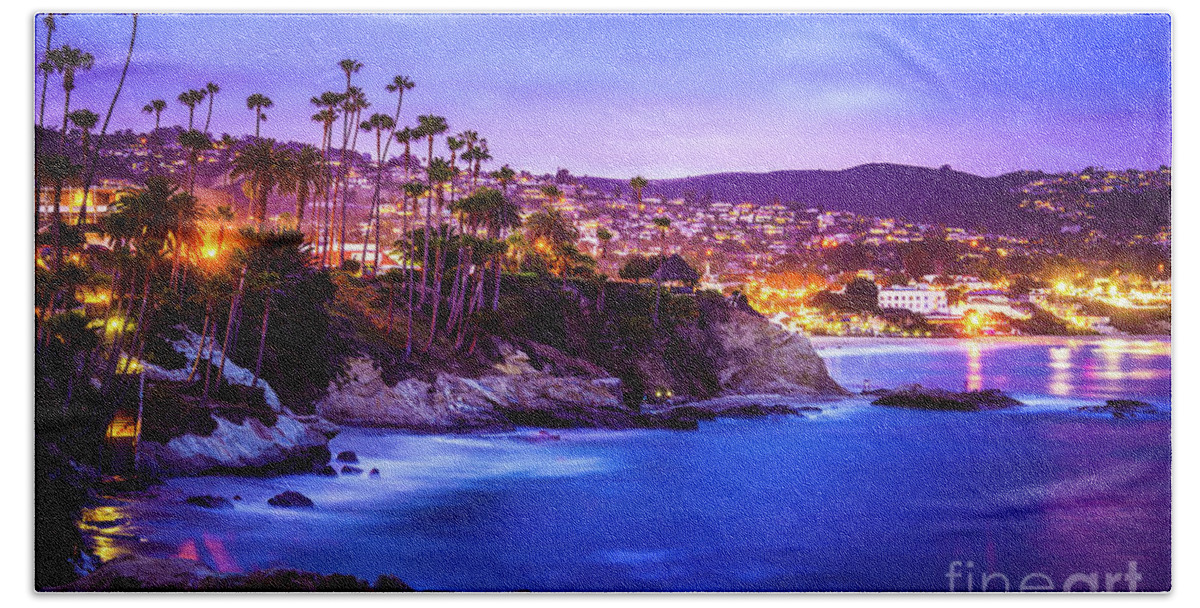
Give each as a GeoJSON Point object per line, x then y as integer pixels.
{"type": "Point", "coordinates": [734, 352]}
{"type": "Point", "coordinates": [289, 445]}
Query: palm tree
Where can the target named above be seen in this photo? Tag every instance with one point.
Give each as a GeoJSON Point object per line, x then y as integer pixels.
{"type": "Point", "coordinates": [479, 154]}
{"type": "Point", "coordinates": [638, 184]}
{"type": "Point", "coordinates": [552, 235]}
{"type": "Point", "coordinates": [406, 136]}
{"type": "Point", "coordinates": [264, 165]}
{"type": "Point", "coordinates": [552, 193]}
{"type": "Point", "coordinates": [505, 216]}
{"type": "Point", "coordinates": [413, 189]}
{"type": "Point", "coordinates": [94, 159]}
{"type": "Point", "coordinates": [440, 173]}
{"type": "Point", "coordinates": [191, 98]}
{"type": "Point", "coordinates": [454, 144]}
{"type": "Point", "coordinates": [468, 138]}
{"type": "Point", "coordinates": [663, 224]}
{"type": "Point", "coordinates": [46, 66]}
{"type": "Point", "coordinates": [155, 107]}
{"type": "Point", "coordinates": [268, 283]}
{"type": "Point", "coordinates": [329, 101]}
{"type": "Point", "coordinates": [350, 67]}
{"type": "Point", "coordinates": [399, 85]}
{"type": "Point", "coordinates": [349, 103]}
{"type": "Point", "coordinates": [356, 102]}
{"type": "Point", "coordinates": [380, 124]}
{"type": "Point", "coordinates": [604, 236]}
{"type": "Point", "coordinates": [67, 60]}
{"type": "Point", "coordinates": [308, 176]}
{"type": "Point", "coordinates": [506, 176]}
{"type": "Point", "coordinates": [212, 89]}
{"type": "Point", "coordinates": [429, 126]}
{"type": "Point", "coordinates": [223, 215]}
{"type": "Point", "coordinates": [258, 102]}
{"type": "Point", "coordinates": [209, 288]}
{"type": "Point", "coordinates": [194, 142]}
{"type": "Point", "coordinates": [86, 121]}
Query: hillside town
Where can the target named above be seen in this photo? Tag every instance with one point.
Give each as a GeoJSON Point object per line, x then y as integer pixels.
{"type": "Point", "coordinates": [941, 280]}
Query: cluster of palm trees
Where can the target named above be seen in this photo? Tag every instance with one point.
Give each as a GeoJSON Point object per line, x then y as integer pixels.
{"type": "Point", "coordinates": [452, 265]}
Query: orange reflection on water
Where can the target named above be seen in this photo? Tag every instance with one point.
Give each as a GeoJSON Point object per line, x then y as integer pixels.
{"type": "Point", "coordinates": [974, 367]}
{"type": "Point", "coordinates": [103, 526]}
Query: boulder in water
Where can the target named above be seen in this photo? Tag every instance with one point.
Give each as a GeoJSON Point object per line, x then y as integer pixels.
{"type": "Point", "coordinates": [1122, 408]}
{"type": "Point", "coordinates": [347, 456]}
{"type": "Point", "coordinates": [919, 397]}
{"type": "Point", "coordinates": [374, 473]}
{"type": "Point", "coordinates": [327, 471]}
{"type": "Point", "coordinates": [349, 470]}
{"type": "Point", "coordinates": [291, 500]}
{"type": "Point", "coordinates": [210, 502]}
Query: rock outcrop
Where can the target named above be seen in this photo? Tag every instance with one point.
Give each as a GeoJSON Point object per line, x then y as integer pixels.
{"type": "Point", "coordinates": [516, 394]}
{"type": "Point", "coordinates": [1123, 408]}
{"type": "Point", "coordinates": [762, 359]}
{"type": "Point", "coordinates": [289, 445]}
{"type": "Point", "coordinates": [536, 385]}
{"type": "Point", "coordinates": [919, 397]}
{"type": "Point", "coordinates": [135, 573]}
{"type": "Point", "coordinates": [290, 500]}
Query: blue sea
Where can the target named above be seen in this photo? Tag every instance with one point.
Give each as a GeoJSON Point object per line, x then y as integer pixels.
{"type": "Point", "coordinates": [856, 497]}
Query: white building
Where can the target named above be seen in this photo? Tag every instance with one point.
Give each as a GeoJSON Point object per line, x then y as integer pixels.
{"type": "Point", "coordinates": [917, 299]}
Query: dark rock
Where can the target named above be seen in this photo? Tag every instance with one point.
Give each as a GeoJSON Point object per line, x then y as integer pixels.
{"type": "Point", "coordinates": [541, 437]}
{"type": "Point", "coordinates": [349, 470]}
{"type": "Point", "coordinates": [133, 573]}
{"type": "Point", "coordinates": [689, 412]}
{"type": "Point", "coordinates": [919, 397]}
{"type": "Point", "coordinates": [374, 473]}
{"type": "Point", "coordinates": [347, 456]}
{"type": "Point", "coordinates": [327, 471]}
{"type": "Point", "coordinates": [210, 502]}
{"type": "Point", "coordinates": [237, 497]}
{"type": "Point", "coordinates": [291, 500]}
{"type": "Point", "coordinates": [387, 582]}
{"type": "Point", "coordinates": [1122, 408]}
{"type": "Point", "coordinates": [756, 410]}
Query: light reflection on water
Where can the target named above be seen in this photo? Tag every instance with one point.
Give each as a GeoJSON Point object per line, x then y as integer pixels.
{"type": "Point", "coordinates": [854, 498]}
{"type": "Point", "coordinates": [1078, 369]}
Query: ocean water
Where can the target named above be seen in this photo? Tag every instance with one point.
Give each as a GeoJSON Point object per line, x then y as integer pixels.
{"type": "Point", "coordinates": [857, 497]}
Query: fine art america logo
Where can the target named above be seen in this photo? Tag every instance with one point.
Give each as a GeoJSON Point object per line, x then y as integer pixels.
{"type": "Point", "coordinates": [964, 577]}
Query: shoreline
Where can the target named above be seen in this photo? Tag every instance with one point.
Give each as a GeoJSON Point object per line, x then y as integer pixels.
{"type": "Point", "coordinates": [825, 343]}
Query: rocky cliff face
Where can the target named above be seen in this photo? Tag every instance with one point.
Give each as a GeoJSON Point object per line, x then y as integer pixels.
{"type": "Point", "coordinates": [287, 446]}
{"type": "Point", "coordinates": [759, 358]}
{"type": "Point", "coordinates": [545, 387]}
{"type": "Point", "coordinates": [513, 393]}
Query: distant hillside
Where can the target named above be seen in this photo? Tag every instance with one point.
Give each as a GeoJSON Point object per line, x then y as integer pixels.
{"type": "Point", "coordinates": [918, 194]}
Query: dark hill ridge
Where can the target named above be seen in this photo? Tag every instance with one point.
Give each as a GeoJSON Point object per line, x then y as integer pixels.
{"type": "Point", "coordinates": [919, 194]}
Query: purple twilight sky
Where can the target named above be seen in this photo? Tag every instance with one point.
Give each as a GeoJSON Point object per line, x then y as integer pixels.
{"type": "Point", "coordinates": [675, 95]}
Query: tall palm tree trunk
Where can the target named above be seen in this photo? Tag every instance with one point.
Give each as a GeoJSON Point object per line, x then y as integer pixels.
{"type": "Point", "coordinates": [425, 252]}
{"type": "Point", "coordinates": [203, 336]}
{"type": "Point", "coordinates": [95, 156]}
{"type": "Point", "coordinates": [262, 340]}
{"type": "Point", "coordinates": [234, 307]}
